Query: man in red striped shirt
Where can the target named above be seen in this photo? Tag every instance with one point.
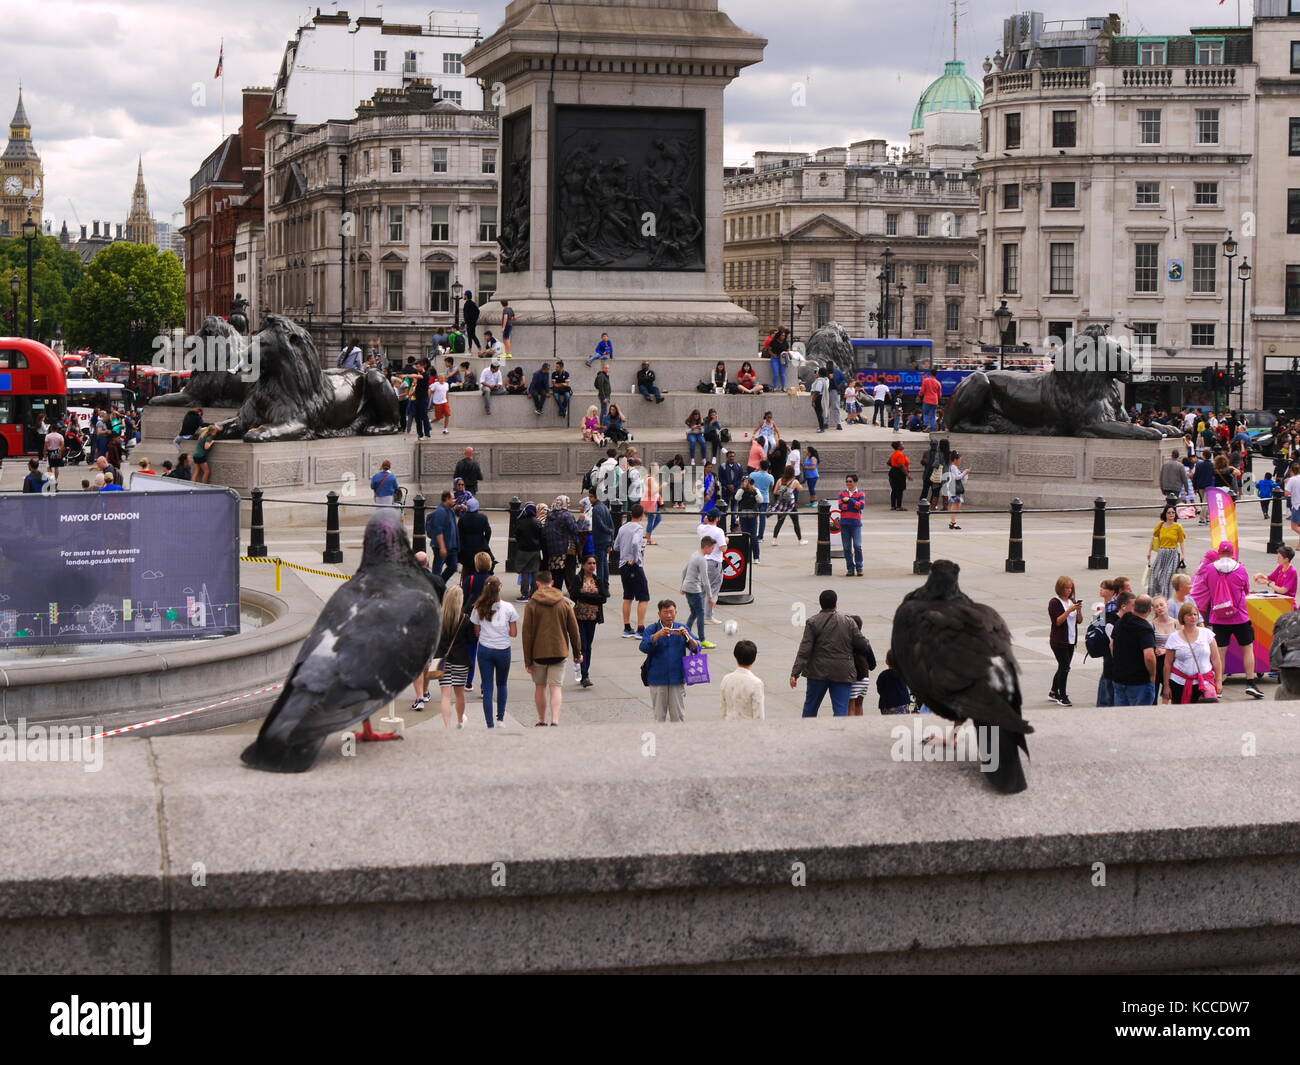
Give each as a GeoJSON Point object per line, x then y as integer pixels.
{"type": "Point", "coordinates": [852, 503]}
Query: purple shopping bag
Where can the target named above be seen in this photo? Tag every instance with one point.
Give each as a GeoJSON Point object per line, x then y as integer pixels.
{"type": "Point", "coordinates": [697, 668]}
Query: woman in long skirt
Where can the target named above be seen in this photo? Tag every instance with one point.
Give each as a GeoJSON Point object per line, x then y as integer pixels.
{"type": "Point", "coordinates": [1167, 546]}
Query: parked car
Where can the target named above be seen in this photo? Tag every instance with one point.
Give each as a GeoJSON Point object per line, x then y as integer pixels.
{"type": "Point", "coordinates": [1259, 427]}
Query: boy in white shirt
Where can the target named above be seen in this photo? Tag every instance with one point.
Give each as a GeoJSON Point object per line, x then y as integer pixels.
{"type": "Point", "coordinates": [438, 389]}
{"type": "Point", "coordinates": [742, 690]}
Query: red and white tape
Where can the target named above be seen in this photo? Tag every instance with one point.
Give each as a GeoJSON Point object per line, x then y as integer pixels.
{"type": "Point", "coordinates": [196, 710]}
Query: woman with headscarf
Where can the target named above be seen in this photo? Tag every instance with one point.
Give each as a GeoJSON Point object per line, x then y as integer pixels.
{"type": "Point", "coordinates": [560, 540]}
{"type": "Point", "coordinates": [528, 547]}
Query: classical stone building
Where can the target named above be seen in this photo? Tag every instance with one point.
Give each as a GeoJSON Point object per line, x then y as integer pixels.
{"type": "Point", "coordinates": [823, 223]}
{"type": "Point", "coordinates": [1113, 169]}
{"type": "Point", "coordinates": [405, 194]}
{"type": "Point", "coordinates": [22, 189]}
{"type": "Point", "coordinates": [140, 227]}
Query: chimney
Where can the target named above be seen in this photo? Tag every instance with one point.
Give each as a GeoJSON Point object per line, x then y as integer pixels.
{"type": "Point", "coordinates": [83, 232]}
{"type": "Point", "coordinates": [96, 229]}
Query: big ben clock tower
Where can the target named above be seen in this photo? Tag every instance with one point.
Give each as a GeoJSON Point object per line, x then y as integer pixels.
{"type": "Point", "coordinates": [21, 176]}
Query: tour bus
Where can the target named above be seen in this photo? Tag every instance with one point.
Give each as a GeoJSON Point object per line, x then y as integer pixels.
{"type": "Point", "coordinates": [31, 386]}
{"type": "Point", "coordinates": [901, 365]}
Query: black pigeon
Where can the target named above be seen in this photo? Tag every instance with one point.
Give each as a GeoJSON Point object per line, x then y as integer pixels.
{"type": "Point", "coordinates": [955, 655]}
{"type": "Point", "coordinates": [374, 636]}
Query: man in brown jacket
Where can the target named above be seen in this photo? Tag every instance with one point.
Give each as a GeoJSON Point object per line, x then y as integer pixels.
{"type": "Point", "coordinates": [826, 657]}
{"type": "Point", "coordinates": [550, 636]}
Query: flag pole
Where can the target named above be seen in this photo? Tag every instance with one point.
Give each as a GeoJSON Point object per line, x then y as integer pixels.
{"type": "Point", "coordinates": [223, 84]}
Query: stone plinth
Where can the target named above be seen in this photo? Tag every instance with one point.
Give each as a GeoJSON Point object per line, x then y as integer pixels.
{"type": "Point", "coordinates": [631, 94]}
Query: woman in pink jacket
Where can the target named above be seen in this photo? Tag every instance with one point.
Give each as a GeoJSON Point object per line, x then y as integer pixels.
{"type": "Point", "coordinates": [1220, 591]}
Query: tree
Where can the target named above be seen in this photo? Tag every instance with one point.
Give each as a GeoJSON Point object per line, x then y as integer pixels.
{"type": "Point", "coordinates": [99, 313]}
{"type": "Point", "coordinates": [55, 273]}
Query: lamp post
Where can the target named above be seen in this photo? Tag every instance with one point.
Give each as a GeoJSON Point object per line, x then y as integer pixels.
{"type": "Point", "coordinates": [1229, 253]}
{"type": "Point", "coordinates": [457, 293]}
{"type": "Point", "coordinates": [29, 238]}
{"type": "Point", "coordinates": [901, 289]}
{"type": "Point", "coordinates": [343, 250]}
{"type": "Point", "coordinates": [130, 335]}
{"type": "Point", "coordinates": [1243, 272]}
{"type": "Point", "coordinates": [885, 280]}
{"type": "Point", "coordinates": [311, 303]}
{"type": "Point", "coordinates": [15, 285]}
{"type": "Point", "coordinates": [1003, 317]}
{"type": "Point", "coordinates": [792, 290]}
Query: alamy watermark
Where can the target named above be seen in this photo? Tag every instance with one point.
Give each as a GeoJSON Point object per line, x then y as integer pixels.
{"type": "Point", "coordinates": [53, 743]}
{"type": "Point", "coordinates": [927, 742]}
{"type": "Point", "coordinates": [1111, 355]}
{"type": "Point", "coordinates": [174, 352]}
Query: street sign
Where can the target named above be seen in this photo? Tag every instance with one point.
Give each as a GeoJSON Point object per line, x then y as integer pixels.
{"type": "Point", "coordinates": [1175, 269]}
{"type": "Point", "coordinates": [737, 574]}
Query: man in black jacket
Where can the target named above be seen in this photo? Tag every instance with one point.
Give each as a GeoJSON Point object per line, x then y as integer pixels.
{"type": "Point", "coordinates": [645, 384]}
{"type": "Point", "coordinates": [602, 535]}
{"type": "Point", "coordinates": [470, 313]}
{"type": "Point", "coordinates": [729, 477]}
{"type": "Point", "coordinates": [826, 654]}
{"type": "Point", "coordinates": [469, 471]}
{"type": "Point", "coordinates": [540, 387]}
{"type": "Point", "coordinates": [475, 532]}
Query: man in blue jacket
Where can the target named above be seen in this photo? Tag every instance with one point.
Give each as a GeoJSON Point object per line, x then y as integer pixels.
{"type": "Point", "coordinates": [602, 535]}
{"type": "Point", "coordinates": [444, 537]}
{"type": "Point", "coordinates": [1203, 478]}
{"type": "Point", "coordinates": [664, 645]}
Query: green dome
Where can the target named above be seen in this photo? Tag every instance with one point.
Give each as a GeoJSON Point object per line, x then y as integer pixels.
{"type": "Point", "coordinates": [955, 91]}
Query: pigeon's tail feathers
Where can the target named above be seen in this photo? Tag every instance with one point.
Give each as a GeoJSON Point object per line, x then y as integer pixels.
{"type": "Point", "coordinates": [281, 746]}
{"type": "Point", "coordinates": [1009, 776]}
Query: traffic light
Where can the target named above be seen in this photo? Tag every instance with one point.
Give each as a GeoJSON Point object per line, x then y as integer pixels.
{"type": "Point", "coordinates": [1207, 376]}
{"type": "Point", "coordinates": [1222, 382]}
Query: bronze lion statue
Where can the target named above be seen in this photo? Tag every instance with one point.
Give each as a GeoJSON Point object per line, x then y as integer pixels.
{"type": "Point", "coordinates": [226, 385]}
{"type": "Point", "coordinates": [294, 399]}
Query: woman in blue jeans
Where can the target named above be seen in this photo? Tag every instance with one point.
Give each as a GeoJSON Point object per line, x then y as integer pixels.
{"type": "Point", "coordinates": [588, 593]}
{"type": "Point", "coordinates": [496, 623]}
{"type": "Point", "coordinates": [695, 434]}
{"type": "Point", "coordinates": [776, 352]}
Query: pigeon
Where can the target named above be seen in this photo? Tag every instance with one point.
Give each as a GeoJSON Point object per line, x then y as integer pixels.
{"type": "Point", "coordinates": [374, 636]}
{"type": "Point", "coordinates": [955, 654]}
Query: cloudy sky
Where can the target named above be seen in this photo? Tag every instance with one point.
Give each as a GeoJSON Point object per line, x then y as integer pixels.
{"type": "Point", "coordinates": [107, 80]}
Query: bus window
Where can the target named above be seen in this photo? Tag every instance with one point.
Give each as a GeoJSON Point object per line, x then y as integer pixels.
{"type": "Point", "coordinates": [12, 360]}
{"type": "Point", "coordinates": [6, 410]}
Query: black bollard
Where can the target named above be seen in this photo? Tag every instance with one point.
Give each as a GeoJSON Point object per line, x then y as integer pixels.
{"type": "Point", "coordinates": [1098, 559]}
{"type": "Point", "coordinates": [516, 508]}
{"type": "Point", "coordinates": [1016, 542]}
{"type": "Point", "coordinates": [1171, 500]}
{"type": "Point", "coordinates": [822, 565]}
{"type": "Point", "coordinates": [921, 564]}
{"type": "Point", "coordinates": [333, 549]}
{"type": "Point", "coordinates": [419, 541]}
{"type": "Point", "coordinates": [1275, 521]}
{"type": "Point", "coordinates": [257, 534]}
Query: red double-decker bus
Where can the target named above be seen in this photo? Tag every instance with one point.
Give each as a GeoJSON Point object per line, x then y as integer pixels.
{"type": "Point", "coordinates": [32, 385]}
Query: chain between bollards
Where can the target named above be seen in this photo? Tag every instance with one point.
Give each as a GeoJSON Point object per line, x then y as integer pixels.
{"type": "Point", "coordinates": [257, 530]}
{"type": "Point", "coordinates": [922, 562]}
{"type": "Point", "coordinates": [1275, 521]}
{"type": "Point", "coordinates": [333, 552]}
{"type": "Point", "coordinates": [1016, 540]}
{"type": "Point", "coordinates": [1098, 559]}
{"type": "Point", "coordinates": [419, 540]}
{"type": "Point", "coordinates": [822, 564]}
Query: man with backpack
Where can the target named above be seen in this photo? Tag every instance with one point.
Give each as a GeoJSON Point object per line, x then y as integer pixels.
{"type": "Point", "coordinates": [1097, 639]}
{"type": "Point", "coordinates": [838, 383]}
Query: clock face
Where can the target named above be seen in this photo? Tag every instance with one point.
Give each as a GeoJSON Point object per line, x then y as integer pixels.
{"type": "Point", "coordinates": [13, 186]}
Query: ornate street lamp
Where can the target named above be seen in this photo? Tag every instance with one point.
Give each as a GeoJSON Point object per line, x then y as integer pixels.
{"type": "Point", "coordinates": [885, 280]}
{"type": "Point", "coordinates": [29, 237]}
{"type": "Point", "coordinates": [792, 290]}
{"type": "Point", "coordinates": [457, 293]}
{"type": "Point", "coordinates": [901, 289]}
{"type": "Point", "coordinates": [1243, 272]}
{"type": "Point", "coordinates": [1229, 253]}
{"type": "Point", "coordinates": [14, 286]}
{"type": "Point", "coordinates": [1003, 317]}
{"type": "Point", "coordinates": [130, 334]}
{"type": "Point", "coordinates": [311, 303]}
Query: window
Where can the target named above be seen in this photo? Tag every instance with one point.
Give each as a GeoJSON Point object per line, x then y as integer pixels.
{"type": "Point", "coordinates": [489, 161]}
{"type": "Point", "coordinates": [1011, 197]}
{"type": "Point", "coordinates": [451, 63]}
{"type": "Point", "coordinates": [1064, 128]}
{"type": "Point", "coordinates": [395, 160]}
{"type": "Point", "coordinates": [365, 290]}
{"type": "Point", "coordinates": [1061, 281]}
{"type": "Point", "coordinates": [487, 286]}
{"type": "Point", "coordinates": [487, 223]}
{"type": "Point", "coordinates": [1063, 194]}
{"type": "Point", "coordinates": [1152, 53]}
{"type": "Point", "coordinates": [1146, 267]}
{"type": "Point", "coordinates": [921, 273]}
{"type": "Point", "coordinates": [1293, 141]}
{"type": "Point", "coordinates": [1010, 267]}
{"type": "Point", "coordinates": [1203, 335]}
{"type": "Point", "coordinates": [452, 96]}
{"type": "Point", "coordinates": [891, 273]}
{"type": "Point", "coordinates": [1061, 331]}
{"type": "Point", "coordinates": [366, 236]}
{"type": "Point", "coordinates": [395, 223]}
{"type": "Point", "coordinates": [381, 60]}
{"type": "Point", "coordinates": [1148, 194]}
{"type": "Point", "coordinates": [440, 224]}
{"type": "Point", "coordinates": [1207, 125]}
{"type": "Point", "coordinates": [365, 160]}
{"type": "Point", "coordinates": [952, 319]}
{"type": "Point", "coordinates": [396, 300]}
{"type": "Point", "coordinates": [1148, 126]}
{"type": "Point", "coordinates": [923, 225]}
{"type": "Point", "coordinates": [1209, 53]}
{"type": "Point", "coordinates": [1144, 334]}
{"type": "Point", "coordinates": [439, 160]}
{"type": "Point", "coordinates": [823, 312]}
{"type": "Point", "coordinates": [408, 63]}
{"type": "Point", "coordinates": [952, 223]}
{"type": "Point", "coordinates": [921, 315]}
{"type": "Point", "coordinates": [440, 291]}
{"type": "Point", "coordinates": [823, 271]}
{"type": "Point", "coordinates": [1293, 289]}
{"type": "Point", "coordinates": [1207, 193]}
{"type": "Point", "coordinates": [1013, 130]}
{"type": "Point", "coordinates": [954, 274]}
{"type": "Point", "coordinates": [1205, 265]}
{"type": "Point", "coordinates": [891, 225]}
{"type": "Point", "coordinates": [1293, 210]}
{"type": "Point", "coordinates": [1295, 57]}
